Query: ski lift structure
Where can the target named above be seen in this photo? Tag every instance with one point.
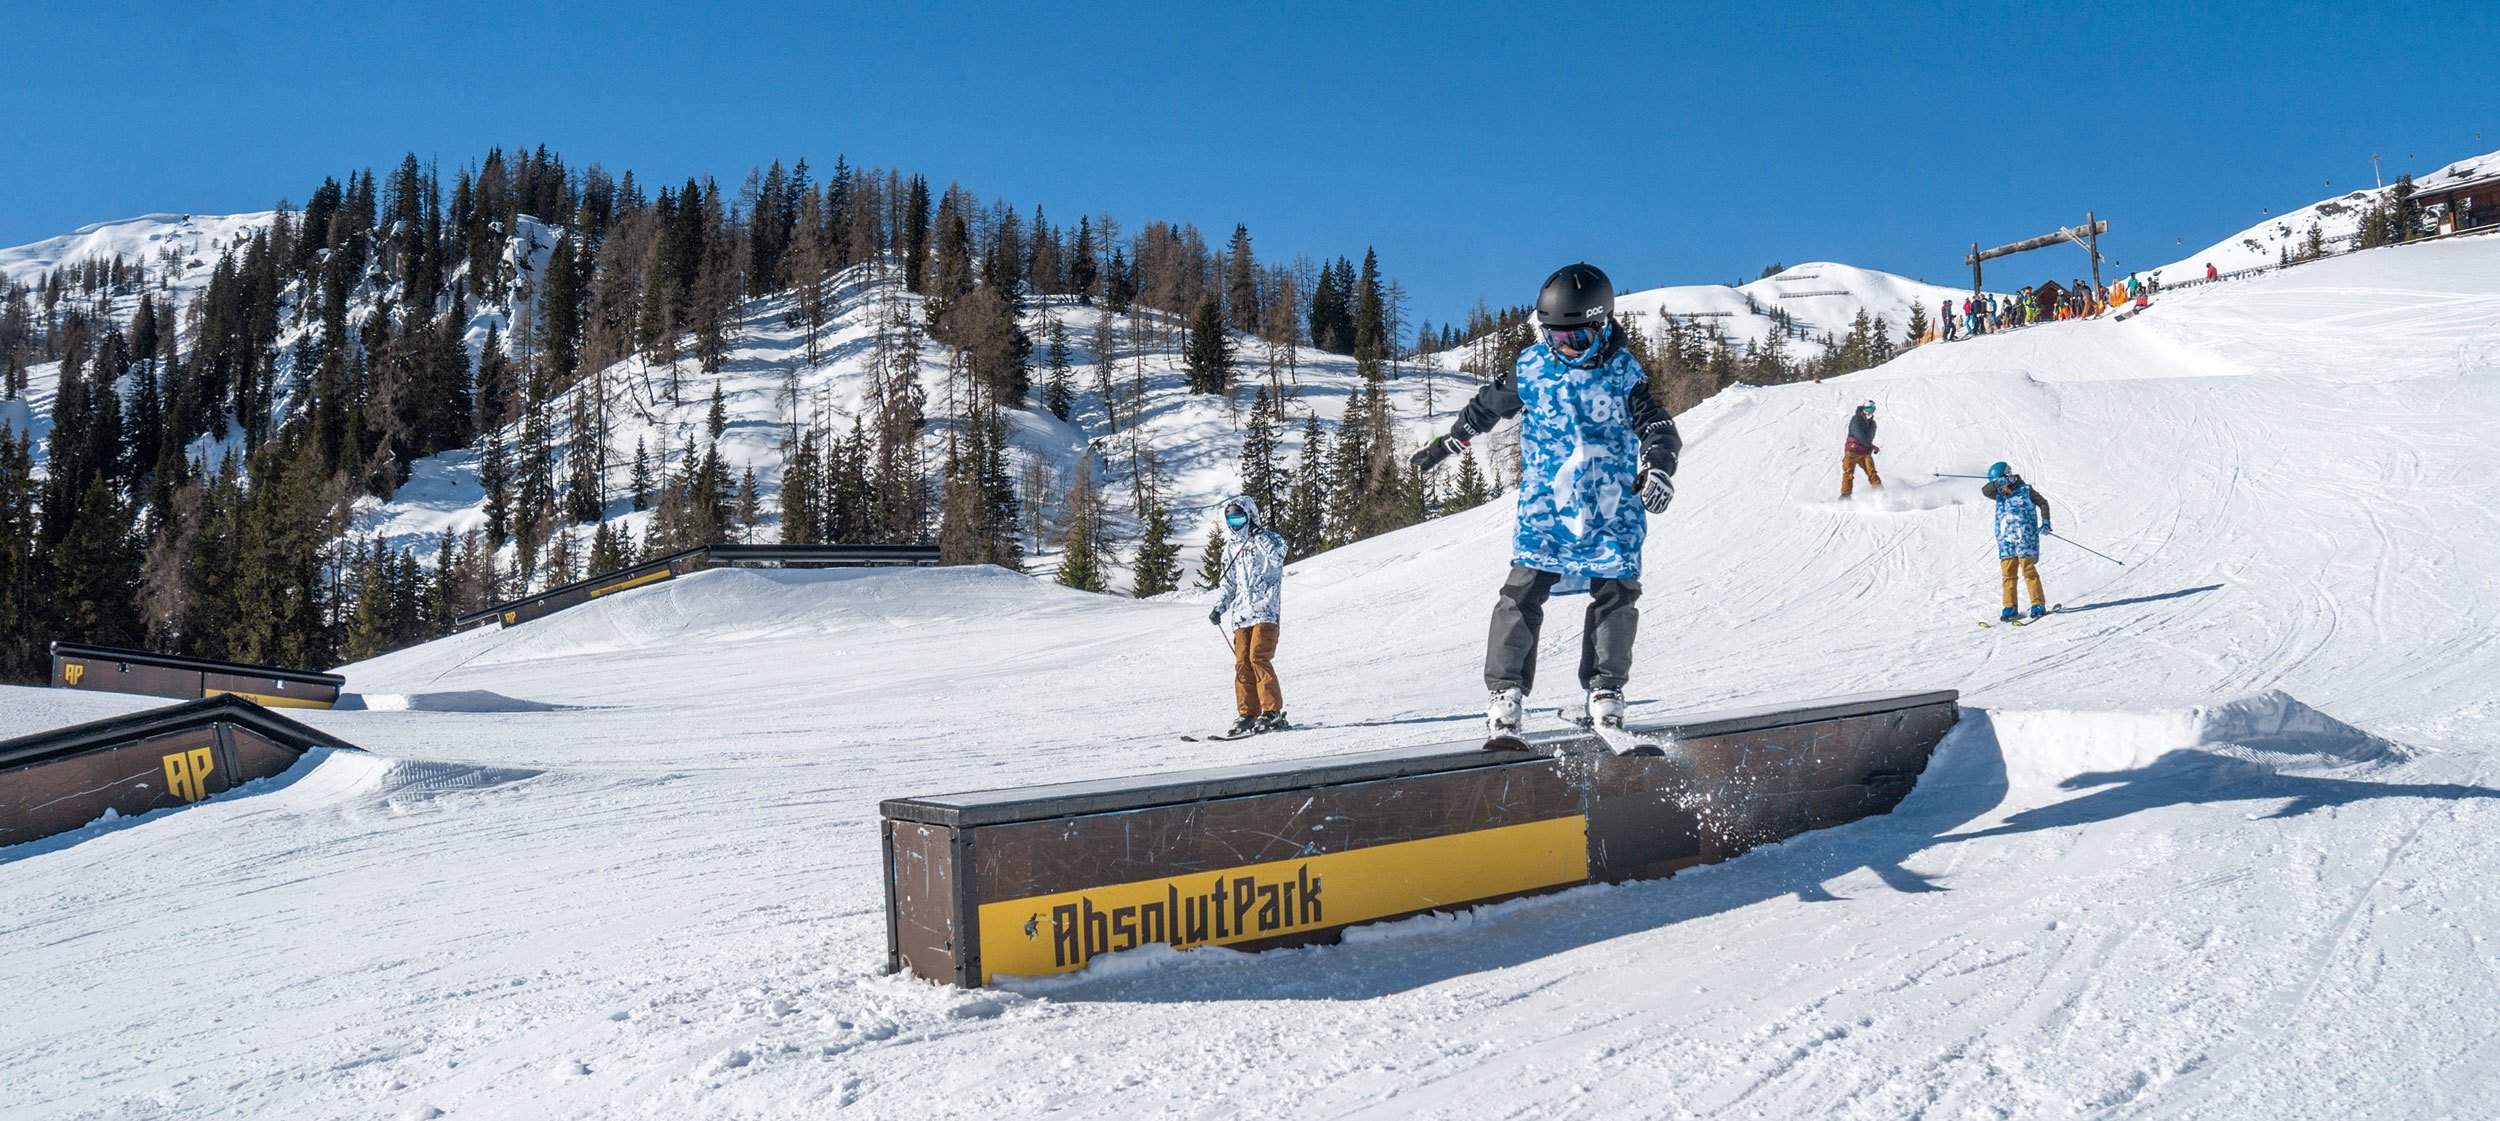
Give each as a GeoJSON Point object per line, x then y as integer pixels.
{"type": "Point", "coordinates": [2087, 235]}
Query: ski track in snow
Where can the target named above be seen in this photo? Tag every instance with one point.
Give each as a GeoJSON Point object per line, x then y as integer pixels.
{"type": "Point", "coordinates": [648, 885]}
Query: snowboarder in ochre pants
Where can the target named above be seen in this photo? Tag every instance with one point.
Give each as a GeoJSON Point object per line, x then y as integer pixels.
{"type": "Point", "coordinates": [1595, 452]}
{"type": "Point", "coordinates": [2022, 516]}
{"type": "Point", "coordinates": [1860, 451]}
{"type": "Point", "coordinates": [1250, 604]}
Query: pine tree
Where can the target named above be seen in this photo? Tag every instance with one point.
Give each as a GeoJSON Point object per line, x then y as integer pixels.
{"type": "Point", "coordinates": [1305, 524]}
{"type": "Point", "coordinates": [1469, 492]}
{"type": "Point", "coordinates": [1241, 285]}
{"type": "Point", "coordinates": [641, 481]}
{"type": "Point", "coordinates": [1211, 562]}
{"type": "Point", "coordinates": [750, 505]}
{"type": "Point", "coordinates": [803, 493]}
{"type": "Point", "coordinates": [1916, 332]}
{"type": "Point", "coordinates": [1057, 395]}
{"type": "Point", "coordinates": [495, 475]}
{"type": "Point", "coordinates": [1210, 350]}
{"type": "Point", "coordinates": [1082, 556]}
{"type": "Point", "coordinates": [23, 582]}
{"type": "Point", "coordinates": [716, 419]}
{"type": "Point", "coordinates": [607, 554]}
{"type": "Point", "coordinates": [1260, 473]}
{"type": "Point", "coordinates": [1158, 556]}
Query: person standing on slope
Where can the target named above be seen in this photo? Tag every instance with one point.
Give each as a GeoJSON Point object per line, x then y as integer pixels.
{"type": "Point", "coordinates": [1859, 451]}
{"type": "Point", "coordinates": [1596, 451]}
{"type": "Point", "coordinates": [2022, 516]}
{"type": "Point", "coordinates": [1250, 604]}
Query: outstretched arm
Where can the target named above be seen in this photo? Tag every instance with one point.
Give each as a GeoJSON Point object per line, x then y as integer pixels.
{"type": "Point", "coordinates": [1496, 402]}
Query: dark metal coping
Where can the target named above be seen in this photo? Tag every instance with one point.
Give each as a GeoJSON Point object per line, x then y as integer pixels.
{"type": "Point", "coordinates": [1070, 799]}
{"type": "Point", "coordinates": [177, 661]}
{"type": "Point", "coordinates": [78, 739]}
{"type": "Point", "coordinates": [728, 554]}
{"type": "Point", "coordinates": [653, 565]}
{"type": "Point", "coordinates": [826, 554]}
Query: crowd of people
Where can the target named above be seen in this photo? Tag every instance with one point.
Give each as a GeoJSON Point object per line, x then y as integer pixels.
{"type": "Point", "coordinates": [1988, 313]}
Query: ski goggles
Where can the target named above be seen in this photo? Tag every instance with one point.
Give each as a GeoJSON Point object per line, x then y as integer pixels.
{"type": "Point", "coordinates": [1571, 338]}
{"type": "Point", "coordinates": [1236, 519]}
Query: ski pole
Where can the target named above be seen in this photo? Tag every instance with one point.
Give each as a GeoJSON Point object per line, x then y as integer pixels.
{"type": "Point", "coordinates": [2088, 549]}
{"type": "Point", "coordinates": [1951, 475]}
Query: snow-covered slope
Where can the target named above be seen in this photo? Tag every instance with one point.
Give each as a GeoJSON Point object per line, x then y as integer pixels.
{"type": "Point", "coordinates": [2338, 221]}
{"type": "Point", "coordinates": [2212, 844]}
{"type": "Point", "coordinates": [1190, 441]}
{"type": "Point", "coordinates": [1819, 298]}
{"type": "Point", "coordinates": [180, 249]}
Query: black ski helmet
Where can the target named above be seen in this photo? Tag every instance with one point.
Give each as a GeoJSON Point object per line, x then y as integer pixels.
{"type": "Point", "coordinates": [1576, 296]}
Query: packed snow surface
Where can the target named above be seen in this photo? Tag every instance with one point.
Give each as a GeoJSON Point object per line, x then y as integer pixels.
{"type": "Point", "coordinates": [2213, 843]}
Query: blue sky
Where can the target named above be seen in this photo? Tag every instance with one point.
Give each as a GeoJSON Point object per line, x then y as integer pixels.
{"type": "Point", "coordinates": [1476, 145]}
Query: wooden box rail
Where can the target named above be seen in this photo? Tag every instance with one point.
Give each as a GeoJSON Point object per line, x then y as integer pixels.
{"type": "Point", "coordinates": [76, 665]}
{"type": "Point", "coordinates": [1041, 879]}
{"type": "Point", "coordinates": [55, 781]}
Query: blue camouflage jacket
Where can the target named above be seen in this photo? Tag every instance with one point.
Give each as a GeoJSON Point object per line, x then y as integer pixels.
{"type": "Point", "coordinates": [2020, 512]}
{"type": "Point", "coordinates": [1588, 426]}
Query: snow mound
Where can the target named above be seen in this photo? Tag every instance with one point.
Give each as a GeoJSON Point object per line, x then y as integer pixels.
{"type": "Point", "coordinates": [456, 700]}
{"type": "Point", "coordinates": [2054, 748]}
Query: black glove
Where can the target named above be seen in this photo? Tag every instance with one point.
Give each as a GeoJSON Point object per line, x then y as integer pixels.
{"type": "Point", "coordinates": [1431, 454]}
{"type": "Point", "coordinates": [1656, 490]}
{"type": "Point", "coordinates": [1215, 615]}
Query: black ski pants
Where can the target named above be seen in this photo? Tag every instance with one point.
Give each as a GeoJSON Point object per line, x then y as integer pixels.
{"type": "Point", "coordinates": [1605, 644]}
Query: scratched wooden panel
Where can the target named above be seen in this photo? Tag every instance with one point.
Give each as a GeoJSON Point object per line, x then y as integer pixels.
{"type": "Point", "coordinates": [62, 794]}
{"type": "Point", "coordinates": [928, 938]}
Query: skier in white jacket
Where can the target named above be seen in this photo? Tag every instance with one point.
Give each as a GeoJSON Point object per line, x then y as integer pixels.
{"type": "Point", "coordinates": [1249, 603]}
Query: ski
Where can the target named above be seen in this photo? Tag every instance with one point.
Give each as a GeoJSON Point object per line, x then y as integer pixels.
{"type": "Point", "coordinates": [1228, 737]}
{"type": "Point", "coordinates": [1615, 739]}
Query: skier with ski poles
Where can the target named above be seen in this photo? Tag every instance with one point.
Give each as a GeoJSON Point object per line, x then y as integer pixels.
{"type": "Point", "coordinates": [1597, 456]}
{"type": "Point", "coordinates": [2022, 516]}
{"type": "Point", "coordinates": [1859, 451]}
{"type": "Point", "coordinates": [1249, 606]}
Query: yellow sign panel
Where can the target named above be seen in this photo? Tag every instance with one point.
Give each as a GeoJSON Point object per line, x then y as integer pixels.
{"type": "Point", "coordinates": [267, 700]}
{"type": "Point", "coordinates": [73, 671]}
{"type": "Point", "coordinates": [186, 773]}
{"type": "Point", "coordinates": [636, 582]}
{"type": "Point", "coordinates": [1061, 933]}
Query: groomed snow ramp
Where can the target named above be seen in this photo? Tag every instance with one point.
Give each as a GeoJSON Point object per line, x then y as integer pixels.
{"type": "Point", "coordinates": [53, 782]}
{"type": "Point", "coordinates": [1041, 880]}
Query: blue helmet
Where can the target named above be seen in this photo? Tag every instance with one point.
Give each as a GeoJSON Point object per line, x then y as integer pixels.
{"type": "Point", "coordinates": [1996, 471]}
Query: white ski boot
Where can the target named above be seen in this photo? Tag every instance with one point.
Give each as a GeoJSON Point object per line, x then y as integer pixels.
{"type": "Point", "coordinates": [1605, 708]}
{"type": "Point", "coordinates": [1501, 721]}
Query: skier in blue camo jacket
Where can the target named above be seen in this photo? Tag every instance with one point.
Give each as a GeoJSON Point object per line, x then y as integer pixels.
{"type": "Point", "coordinates": [1596, 451]}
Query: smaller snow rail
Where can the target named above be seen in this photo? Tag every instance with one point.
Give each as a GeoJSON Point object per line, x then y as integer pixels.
{"type": "Point", "coordinates": [56, 781]}
{"type": "Point", "coordinates": [1041, 880]}
{"type": "Point", "coordinates": [526, 608]}
{"type": "Point", "coordinates": [108, 669]}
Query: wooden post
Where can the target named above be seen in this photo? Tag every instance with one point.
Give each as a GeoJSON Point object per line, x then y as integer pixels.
{"type": "Point", "coordinates": [1974, 269]}
{"type": "Point", "coordinates": [2092, 230]}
